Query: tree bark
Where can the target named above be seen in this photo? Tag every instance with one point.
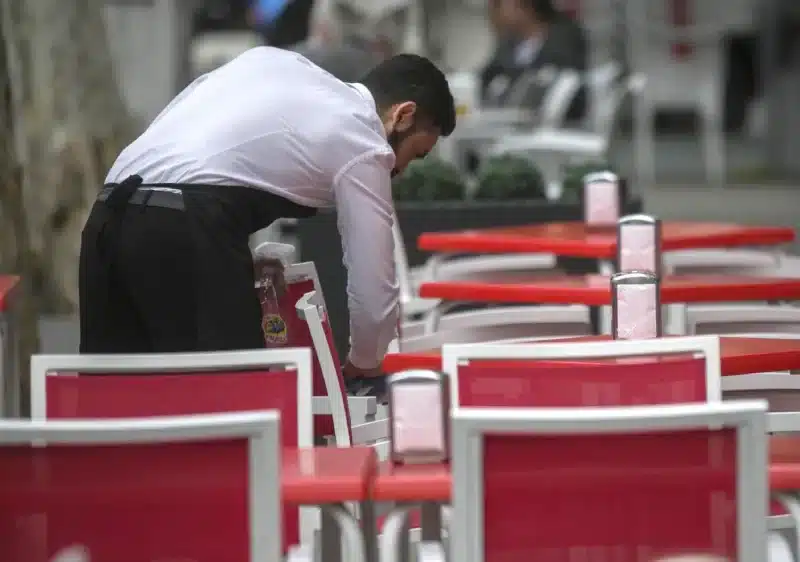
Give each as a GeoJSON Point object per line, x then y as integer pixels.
{"type": "Point", "coordinates": [64, 122]}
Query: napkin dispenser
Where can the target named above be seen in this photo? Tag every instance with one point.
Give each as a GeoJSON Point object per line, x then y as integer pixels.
{"type": "Point", "coordinates": [635, 306]}
{"type": "Point", "coordinates": [419, 417]}
{"type": "Point", "coordinates": [602, 199]}
{"type": "Point", "coordinates": [639, 244]}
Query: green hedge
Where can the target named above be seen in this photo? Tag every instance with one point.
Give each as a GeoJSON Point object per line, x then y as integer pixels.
{"type": "Point", "coordinates": [510, 177]}
{"type": "Point", "coordinates": [430, 179]}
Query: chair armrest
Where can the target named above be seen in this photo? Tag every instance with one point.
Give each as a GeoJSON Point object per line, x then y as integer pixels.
{"type": "Point", "coordinates": [562, 141]}
{"type": "Point", "coordinates": [361, 407]}
{"type": "Point", "coordinates": [783, 422]}
{"type": "Point", "coordinates": [469, 266]}
{"type": "Point", "coordinates": [418, 306]}
{"type": "Point", "coordinates": [370, 432]}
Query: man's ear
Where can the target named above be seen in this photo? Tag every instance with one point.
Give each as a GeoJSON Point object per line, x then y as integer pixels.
{"type": "Point", "coordinates": [404, 116]}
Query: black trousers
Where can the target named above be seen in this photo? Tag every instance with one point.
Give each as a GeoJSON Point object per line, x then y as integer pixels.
{"type": "Point", "coordinates": [171, 270]}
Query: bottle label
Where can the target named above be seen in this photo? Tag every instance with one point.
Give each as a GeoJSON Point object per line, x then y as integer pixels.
{"type": "Point", "coordinates": [274, 328]}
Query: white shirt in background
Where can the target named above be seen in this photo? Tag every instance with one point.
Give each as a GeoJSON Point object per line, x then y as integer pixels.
{"type": "Point", "coordinates": [272, 120]}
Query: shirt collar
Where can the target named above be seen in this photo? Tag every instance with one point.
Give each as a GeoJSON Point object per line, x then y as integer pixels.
{"type": "Point", "coordinates": [364, 92]}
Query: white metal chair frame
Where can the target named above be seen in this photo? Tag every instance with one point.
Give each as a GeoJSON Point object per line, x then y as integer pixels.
{"type": "Point", "coordinates": [739, 317]}
{"type": "Point", "coordinates": [528, 317]}
{"type": "Point", "coordinates": [361, 408]}
{"type": "Point", "coordinates": [645, 31]}
{"type": "Point", "coordinates": [441, 266]}
{"type": "Point", "coordinates": [748, 260]}
{"type": "Point", "coordinates": [555, 146]}
{"type": "Point", "coordinates": [444, 267]}
{"type": "Point", "coordinates": [487, 125]}
{"type": "Point", "coordinates": [707, 347]}
{"type": "Point", "coordinates": [261, 429]}
{"type": "Point", "coordinates": [43, 366]}
{"type": "Point", "coordinates": [362, 433]}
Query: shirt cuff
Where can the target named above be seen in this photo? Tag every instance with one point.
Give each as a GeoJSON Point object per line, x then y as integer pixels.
{"type": "Point", "coordinates": [363, 362]}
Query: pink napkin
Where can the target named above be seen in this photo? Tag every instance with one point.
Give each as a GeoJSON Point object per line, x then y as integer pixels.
{"type": "Point", "coordinates": [637, 248]}
{"type": "Point", "coordinates": [602, 203]}
{"type": "Point", "coordinates": [637, 317]}
{"type": "Point", "coordinates": [417, 413]}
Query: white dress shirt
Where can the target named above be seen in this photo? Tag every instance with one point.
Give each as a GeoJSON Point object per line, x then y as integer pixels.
{"type": "Point", "coordinates": [272, 120]}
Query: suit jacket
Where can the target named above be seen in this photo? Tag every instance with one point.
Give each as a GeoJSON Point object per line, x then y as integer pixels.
{"type": "Point", "coordinates": [564, 47]}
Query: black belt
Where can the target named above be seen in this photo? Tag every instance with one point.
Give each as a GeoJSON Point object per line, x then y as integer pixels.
{"type": "Point", "coordinates": [254, 208]}
{"type": "Point", "coordinates": [155, 196]}
{"type": "Point", "coordinates": [133, 190]}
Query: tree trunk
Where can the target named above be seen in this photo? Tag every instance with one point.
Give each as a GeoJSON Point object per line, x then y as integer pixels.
{"type": "Point", "coordinates": [65, 121]}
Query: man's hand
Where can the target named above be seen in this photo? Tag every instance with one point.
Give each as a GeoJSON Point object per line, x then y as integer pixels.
{"type": "Point", "coordinates": [350, 371]}
{"type": "Point", "coordinates": [365, 382]}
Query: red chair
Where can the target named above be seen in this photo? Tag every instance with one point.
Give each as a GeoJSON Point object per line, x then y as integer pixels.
{"type": "Point", "coordinates": [301, 279]}
{"type": "Point", "coordinates": [127, 386]}
{"type": "Point", "coordinates": [337, 412]}
{"type": "Point", "coordinates": [141, 490]}
{"type": "Point", "coordinates": [316, 332]}
{"type": "Point", "coordinates": [678, 370]}
{"type": "Point", "coordinates": [558, 374]}
{"type": "Point", "coordinates": [567, 484]}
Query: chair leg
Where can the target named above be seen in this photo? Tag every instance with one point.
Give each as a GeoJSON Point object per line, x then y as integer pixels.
{"type": "Point", "coordinates": [644, 143]}
{"type": "Point", "coordinates": [551, 167]}
{"type": "Point", "coordinates": [714, 150]}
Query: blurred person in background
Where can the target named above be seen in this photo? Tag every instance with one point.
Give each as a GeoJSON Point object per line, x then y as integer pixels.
{"type": "Point", "coordinates": [347, 42]}
{"type": "Point", "coordinates": [281, 23]}
{"type": "Point", "coordinates": [532, 35]}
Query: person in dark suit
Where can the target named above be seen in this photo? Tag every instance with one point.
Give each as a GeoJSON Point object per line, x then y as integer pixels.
{"type": "Point", "coordinates": [532, 35]}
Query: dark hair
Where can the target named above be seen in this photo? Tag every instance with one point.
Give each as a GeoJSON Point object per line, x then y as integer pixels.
{"type": "Point", "coordinates": [545, 10]}
{"type": "Point", "coordinates": [405, 77]}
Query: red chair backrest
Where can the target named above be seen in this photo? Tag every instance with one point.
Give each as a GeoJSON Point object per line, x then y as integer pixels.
{"type": "Point", "coordinates": [297, 332]}
{"type": "Point", "coordinates": [134, 502]}
{"type": "Point", "coordinates": [300, 336]}
{"type": "Point", "coordinates": [148, 395]}
{"type": "Point", "coordinates": [619, 497]}
{"type": "Point", "coordinates": [634, 382]}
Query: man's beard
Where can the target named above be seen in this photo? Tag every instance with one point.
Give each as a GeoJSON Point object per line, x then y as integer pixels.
{"type": "Point", "coordinates": [395, 138]}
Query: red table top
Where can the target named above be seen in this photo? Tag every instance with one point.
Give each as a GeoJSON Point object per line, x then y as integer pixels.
{"type": "Point", "coordinates": [739, 356]}
{"type": "Point", "coordinates": [325, 475]}
{"type": "Point", "coordinates": [430, 482]}
{"type": "Point", "coordinates": [7, 285]}
{"type": "Point", "coordinates": [595, 290]}
{"type": "Point", "coordinates": [575, 239]}
{"type": "Point", "coordinates": [433, 482]}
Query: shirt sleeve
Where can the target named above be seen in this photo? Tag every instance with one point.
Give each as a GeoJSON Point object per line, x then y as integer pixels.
{"type": "Point", "coordinates": [363, 192]}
